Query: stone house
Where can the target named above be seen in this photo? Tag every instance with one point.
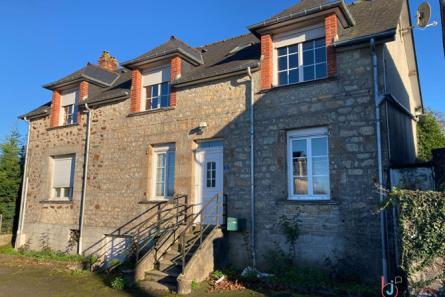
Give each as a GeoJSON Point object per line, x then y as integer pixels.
{"type": "Point", "coordinates": [301, 117]}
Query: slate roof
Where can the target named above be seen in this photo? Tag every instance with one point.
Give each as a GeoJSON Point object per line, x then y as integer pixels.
{"type": "Point", "coordinates": [304, 7]}
{"type": "Point", "coordinates": [90, 72]}
{"type": "Point", "coordinates": [224, 57]}
{"type": "Point", "coordinates": [171, 46]}
{"type": "Point", "coordinates": [372, 17]}
{"type": "Point", "coordinates": [232, 54]}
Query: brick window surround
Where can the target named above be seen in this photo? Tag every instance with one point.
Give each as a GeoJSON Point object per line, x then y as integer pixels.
{"type": "Point", "coordinates": [331, 29]}
{"type": "Point", "coordinates": [56, 104]}
{"type": "Point", "coordinates": [136, 84]}
{"type": "Point", "coordinates": [55, 109]}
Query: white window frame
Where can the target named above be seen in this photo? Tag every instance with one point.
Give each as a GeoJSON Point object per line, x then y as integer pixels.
{"type": "Point", "coordinates": [66, 193]}
{"type": "Point", "coordinates": [63, 115]}
{"type": "Point", "coordinates": [160, 150]}
{"type": "Point", "coordinates": [152, 77]}
{"type": "Point", "coordinates": [306, 134]}
{"type": "Point", "coordinates": [296, 37]}
{"type": "Point", "coordinates": [158, 95]}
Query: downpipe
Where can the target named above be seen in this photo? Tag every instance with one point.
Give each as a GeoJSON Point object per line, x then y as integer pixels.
{"type": "Point", "coordinates": [379, 158]}
{"type": "Point", "coordinates": [24, 191]}
{"type": "Point", "coordinates": [84, 181]}
{"type": "Point", "coordinates": [252, 170]}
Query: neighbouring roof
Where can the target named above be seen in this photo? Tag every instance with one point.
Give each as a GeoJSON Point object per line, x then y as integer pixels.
{"type": "Point", "coordinates": [173, 45]}
{"type": "Point", "coordinates": [90, 72]}
{"type": "Point", "coordinates": [42, 110]}
{"type": "Point", "coordinates": [119, 90]}
{"type": "Point", "coordinates": [230, 55]}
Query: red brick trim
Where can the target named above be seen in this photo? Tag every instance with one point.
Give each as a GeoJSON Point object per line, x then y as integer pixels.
{"type": "Point", "coordinates": [266, 62]}
{"type": "Point", "coordinates": [175, 73]}
{"type": "Point", "coordinates": [83, 90]}
{"type": "Point", "coordinates": [331, 29]}
{"type": "Point", "coordinates": [55, 109]}
{"type": "Point", "coordinates": [83, 94]}
{"type": "Point", "coordinates": [136, 89]}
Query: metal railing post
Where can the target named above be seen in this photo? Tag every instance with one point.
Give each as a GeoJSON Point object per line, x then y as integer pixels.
{"type": "Point", "coordinates": [137, 245]}
{"type": "Point", "coordinates": [183, 251]}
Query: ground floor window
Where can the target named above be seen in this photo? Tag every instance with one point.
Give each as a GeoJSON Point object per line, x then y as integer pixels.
{"type": "Point", "coordinates": [62, 177]}
{"type": "Point", "coordinates": [163, 171]}
{"type": "Point", "coordinates": [308, 164]}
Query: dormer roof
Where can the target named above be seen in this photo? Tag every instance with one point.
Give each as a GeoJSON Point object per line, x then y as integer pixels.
{"type": "Point", "coordinates": [91, 73]}
{"type": "Point", "coordinates": [305, 8]}
{"type": "Point", "coordinates": [171, 47]}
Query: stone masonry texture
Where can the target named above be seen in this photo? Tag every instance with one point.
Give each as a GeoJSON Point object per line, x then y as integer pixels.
{"type": "Point", "coordinates": [344, 228]}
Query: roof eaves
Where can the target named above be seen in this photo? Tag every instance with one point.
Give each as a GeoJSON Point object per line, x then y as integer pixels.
{"type": "Point", "coordinates": [305, 12]}
{"type": "Point", "coordinates": [389, 34]}
{"type": "Point", "coordinates": [163, 53]}
{"type": "Point", "coordinates": [212, 76]}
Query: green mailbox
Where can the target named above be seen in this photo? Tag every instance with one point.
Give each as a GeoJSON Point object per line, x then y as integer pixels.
{"type": "Point", "coordinates": [235, 224]}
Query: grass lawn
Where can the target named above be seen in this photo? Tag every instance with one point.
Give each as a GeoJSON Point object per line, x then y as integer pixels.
{"type": "Point", "coordinates": [24, 276]}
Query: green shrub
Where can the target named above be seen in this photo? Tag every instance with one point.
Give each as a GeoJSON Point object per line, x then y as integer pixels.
{"type": "Point", "coordinates": [422, 228]}
{"type": "Point", "coordinates": [217, 274]}
{"type": "Point", "coordinates": [118, 283]}
{"type": "Point", "coordinates": [195, 285]}
{"type": "Point", "coordinates": [277, 261]}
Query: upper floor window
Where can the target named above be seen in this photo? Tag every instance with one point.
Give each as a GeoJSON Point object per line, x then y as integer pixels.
{"type": "Point", "coordinates": [163, 171]}
{"type": "Point", "coordinates": [63, 177]}
{"type": "Point", "coordinates": [301, 62]}
{"type": "Point", "coordinates": [157, 96]}
{"type": "Point", "coordinates": [308, 164]}
{"type": "Point", "coordinates": [156, 89]}
{"type": "Point", "coordinates": [68, 103]}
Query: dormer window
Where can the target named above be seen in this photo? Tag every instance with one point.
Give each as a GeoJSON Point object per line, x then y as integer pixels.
{"type": "Point", "coordinates": [302, 62]}
{"type": "Point", "coordinates": [68, 113]}
{"type": "Point", "coordinates": [156, 89]}
{"type": "Point", "coordinates": [157, 96]}
{"type": "Point", "coordinates": [300, 56]}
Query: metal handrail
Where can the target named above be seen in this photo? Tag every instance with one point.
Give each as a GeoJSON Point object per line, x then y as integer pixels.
{"type": "Point", "coordinates": [163, 215]}
{"type": "Point", "coordinates": [200, 213]}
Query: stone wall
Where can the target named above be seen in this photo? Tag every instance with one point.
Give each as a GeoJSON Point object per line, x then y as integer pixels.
{"type": "Point", "coordinates": [344, 227]}
{"type": "Point", "coordinates": [413, 178]}
{"type": "Point", "coordinates": [118, 182]}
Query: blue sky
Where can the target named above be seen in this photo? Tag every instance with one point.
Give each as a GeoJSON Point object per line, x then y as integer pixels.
{"type": "Point", "coordinates": [42, 41]}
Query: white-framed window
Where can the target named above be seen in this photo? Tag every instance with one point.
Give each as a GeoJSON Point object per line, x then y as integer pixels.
{"type": "Point", "coordinates": [157, 96]}
{"type": "Point", "coordinates": [63, 177]}
{"type": "Point", "coordinates": [302, 62]}
{"type": "Point", "coordinates": [308, 164]}
{"type": "Point", "coordinates": [156, 88]}
{"type": "Point", "coordinates": [163, 171]}
{"type": "Point", "coordinates": [68, 103]}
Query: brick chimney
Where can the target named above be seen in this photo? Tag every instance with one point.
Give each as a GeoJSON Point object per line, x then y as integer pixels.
{"type": "Point", "coordinates": [108, 62]}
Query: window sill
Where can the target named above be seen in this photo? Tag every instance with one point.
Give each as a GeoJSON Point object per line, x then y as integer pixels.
{"type": "Point", "coordinates": [154, 201]}
{"type": "Point", "coordinates": [303, 83]}
{"type": "Point", "coordinates": [63, 126]}
{"type": "Point", "coordinates": [134, 114]}
{"type": "Point", "coordinates": [312, 201]}
{"type": "Point", "coordinates": [56, 201]}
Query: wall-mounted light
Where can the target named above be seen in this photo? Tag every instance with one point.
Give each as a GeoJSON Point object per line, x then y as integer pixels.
{"type": "Point", "coordinates": [202, 126]}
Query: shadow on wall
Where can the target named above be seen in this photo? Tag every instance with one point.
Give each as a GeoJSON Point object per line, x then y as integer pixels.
{"type": "Point", "coordinates": [401, 136]}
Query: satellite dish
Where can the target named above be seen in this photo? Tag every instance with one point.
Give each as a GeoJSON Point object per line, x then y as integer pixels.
{"type": "Point", "coordinates": [423, 15]}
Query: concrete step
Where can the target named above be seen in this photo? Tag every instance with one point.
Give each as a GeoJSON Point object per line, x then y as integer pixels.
{"type": "Point", "coordinates": [150, 286]}
{"type": "Point", "coordinates": [162, 277]}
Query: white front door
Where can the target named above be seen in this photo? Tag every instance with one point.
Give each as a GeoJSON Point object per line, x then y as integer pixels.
{"type": "Point", "coordinates": [209, 160]}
